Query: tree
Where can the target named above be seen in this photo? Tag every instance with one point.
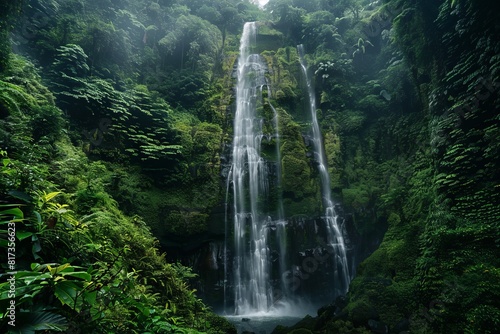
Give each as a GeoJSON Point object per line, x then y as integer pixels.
{"type": "Point", "coordinates": [319, 31]}
{"type": "Point", "coordinates": [337, 7]}
{"type": "Point", "coordinates": [10, 9]}
{"type": "Point", "coordinates": [230, 20]}
{"type": "Point", "coordinates": [191, 33]}
{"type": "Point", "coordinates": [72, 61]}
{"type": "Point", "coordinates": [289, 18]}
{"type": "Point", "coordinates": [106, 46]}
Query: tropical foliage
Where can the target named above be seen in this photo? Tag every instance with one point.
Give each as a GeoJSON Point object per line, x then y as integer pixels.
{"type": "Point", "coordinates": [115, 122]}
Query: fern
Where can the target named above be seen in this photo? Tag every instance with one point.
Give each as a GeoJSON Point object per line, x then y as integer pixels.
{"type": "Point", "coordinates": [14, 99]}
{"type": "Point", "coordinates": [30, 322]}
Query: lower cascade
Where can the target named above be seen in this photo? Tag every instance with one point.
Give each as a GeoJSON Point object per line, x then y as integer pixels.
{"type": "Point", "coordinates": [268, 277]}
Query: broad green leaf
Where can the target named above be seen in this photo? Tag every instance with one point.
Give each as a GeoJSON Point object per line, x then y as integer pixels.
{"type": "Point", "coordinates": [48, 197]}
{"type": "Point", "coordinates": [15, 212]}
{"type": "Point", "coordinates": [63, 268]}
{"type": "Point", "coordinates": [30, 279]}
{"type": "Point", "coordinates": [38, 217]}
{"type": "Point", "coordinates": [3, 222]}
{"type": "Point", "coordinates": [21, 235]}
{"type": "Point", "coordinates": [30, 322]}
{"type": "Point", "coordinates": [90, 297]}
{"type": "Point", "coordinates": [96, 314]}
{"type": "Point", "coordinates": [79, 274]}
{"type": "Point", "coordinates": [36, 248]}
{"type": "Point", "coordinates": [28, 297]}
{"type": "Point", "coordinates": [22, 274]}
{"type": "Point", "coordinates": [21, 195]}
{"type": "Point", "coordinates": [20, 290]}
{"type": "Point", "coordinates": [66, 292]}
{"type": "Point", "coordinates": [40, 267]}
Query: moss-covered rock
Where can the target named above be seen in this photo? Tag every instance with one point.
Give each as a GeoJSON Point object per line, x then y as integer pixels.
{"type": "Point", "coordinates": [334, 157]}
{"type": "Point", "coordinates": [269, 38]}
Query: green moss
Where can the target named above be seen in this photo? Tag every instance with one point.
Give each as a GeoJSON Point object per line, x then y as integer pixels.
{"type": "Point", "coordinates": [299, 181]}
{"type": "Point", "coordinates": [360, 311]}
{"type": "Point", "coordinates": [283, 73]}
{"type": "Point", "coordinates": [333, 153]}
{"type": "Point", "coordinates": [308, 206]}
{"type": "Point", "coordinates": [206, 141]}
{"type": "Point", "coordinates": [268, 38]}
{"type": "Point", "coordinates": [296, 176]}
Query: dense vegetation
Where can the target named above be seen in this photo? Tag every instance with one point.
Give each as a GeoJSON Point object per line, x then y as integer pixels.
{"type": "Point", "coordinates": [413, 103]}
{"type": "Point", "coordinates": [115, 118]}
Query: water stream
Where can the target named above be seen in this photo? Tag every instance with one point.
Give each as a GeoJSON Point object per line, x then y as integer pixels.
{"type": "Point", "coordinates": [335, 238]}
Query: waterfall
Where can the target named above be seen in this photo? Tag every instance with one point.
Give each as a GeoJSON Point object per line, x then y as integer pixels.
{"type": "Point", "coordinates": [267, 272]}
{"type": "Point", "coordinates": [225, 280]}
{"type": "Point", "coordinates": [252, 289]}
{"type": "Point", "coordinates": [335, 238]}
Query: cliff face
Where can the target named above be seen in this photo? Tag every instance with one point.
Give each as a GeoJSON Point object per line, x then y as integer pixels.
{"type": "Point", "coordinates": [363, 156]}
{"type": "Point", "coordinates": [409, 124]}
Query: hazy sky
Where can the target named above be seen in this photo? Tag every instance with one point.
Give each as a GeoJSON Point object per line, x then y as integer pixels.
{"type": "Point", "coordinates": [262, 2]}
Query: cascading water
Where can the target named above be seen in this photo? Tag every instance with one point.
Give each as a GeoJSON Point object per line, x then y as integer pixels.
{"type": "Point", "coordinates": [225, 279]}
{"type": "Point", "coordinates": [262, 238]}
{"type": "Point", "coordinates": [335, 238]}
{"type": "Point", "coordinates": [252, 287]}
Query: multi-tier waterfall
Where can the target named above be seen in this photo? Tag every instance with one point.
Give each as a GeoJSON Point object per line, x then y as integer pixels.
{"type": "Point", "coordinates": [270, 256]}
{"type": "Point", "coordinates": [335, 238]}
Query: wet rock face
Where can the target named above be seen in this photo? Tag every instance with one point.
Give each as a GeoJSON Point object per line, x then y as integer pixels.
{"type": "Point", "coordinates": [305, 273]}
{"type": "Point", "coordinates": [310, 262]}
